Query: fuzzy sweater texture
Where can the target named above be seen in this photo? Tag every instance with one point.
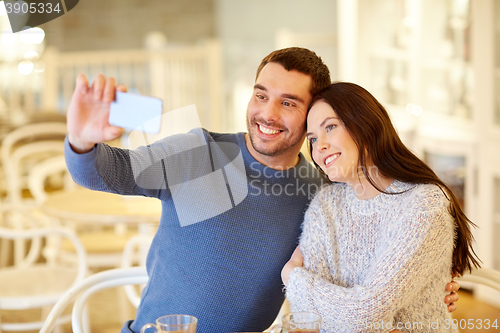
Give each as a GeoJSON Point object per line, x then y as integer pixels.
{"type": "Point", "coordinates": [376, 265]}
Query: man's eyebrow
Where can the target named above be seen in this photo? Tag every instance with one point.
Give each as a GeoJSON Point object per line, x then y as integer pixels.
{"type": "Point", "coordinates": [295, 98]}
{"type": "Point", "coordinates": [289, 96]}
{"type": "Point", "coordinates": [322, 123]}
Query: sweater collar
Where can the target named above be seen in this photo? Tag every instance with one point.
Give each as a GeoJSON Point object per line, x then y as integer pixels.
{"type": "Point", "coordinates": [302, 169]}
{"type": "Point", "coordinates": [379, 202]}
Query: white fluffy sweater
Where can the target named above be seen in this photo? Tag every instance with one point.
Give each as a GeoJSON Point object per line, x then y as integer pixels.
{"type": "Point", "coordinates": [376, 265]}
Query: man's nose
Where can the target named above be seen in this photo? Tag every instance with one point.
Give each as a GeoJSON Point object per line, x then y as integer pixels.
{"type": "Point", "coordinates": [271, 111]}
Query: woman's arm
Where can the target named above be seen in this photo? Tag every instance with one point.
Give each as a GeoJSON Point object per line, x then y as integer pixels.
{"type": "Point", "coordinates": [312, 252]}
{"type": "Point", "coordinates": [393, 280]}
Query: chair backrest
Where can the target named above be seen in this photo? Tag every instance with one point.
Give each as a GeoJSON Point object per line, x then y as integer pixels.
{"type": "Point", "coordinates": [485, 276]}
{"type": "Point", "coordinates": [88, 286]}
{"type": "Point", "coordinates": [31, 132]}
{"type": "Point", "coordinates": [35, 141]}
{"type": "Point", "coordinates": [36, 250]}
{"type": "Point", "coordinates": [135, 250]}
{"type": "Point", "coordinates": [41, 171]}
{"type": "Point", "coordinates": [17, 167]}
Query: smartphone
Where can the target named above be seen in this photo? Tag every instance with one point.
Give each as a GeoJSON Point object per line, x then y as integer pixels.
{"type": "Point", "coordinates": [136, 112]}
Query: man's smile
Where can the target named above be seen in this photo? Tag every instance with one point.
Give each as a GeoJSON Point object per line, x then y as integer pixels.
{"type": "Point", "coordinates": [268, 132]}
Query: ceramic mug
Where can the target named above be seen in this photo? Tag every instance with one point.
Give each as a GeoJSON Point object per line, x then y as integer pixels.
{"type": "Point", "coordinates": [298, 322]}
{"type": "Point", "coordinates": [173, 324]}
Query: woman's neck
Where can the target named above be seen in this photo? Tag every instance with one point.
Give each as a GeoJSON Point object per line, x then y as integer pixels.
{"type": "Point", "coordinates": [365, 190]}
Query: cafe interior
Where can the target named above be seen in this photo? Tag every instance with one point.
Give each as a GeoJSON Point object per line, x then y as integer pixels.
{"type": "Point", "coordinates": [433, 64]}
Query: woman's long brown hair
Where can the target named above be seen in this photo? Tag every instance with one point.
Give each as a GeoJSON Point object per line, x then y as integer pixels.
{"type": "Point", "coordinates": [370, 127]}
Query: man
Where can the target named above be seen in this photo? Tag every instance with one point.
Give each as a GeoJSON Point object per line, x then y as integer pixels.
{"type": "Point", "coordinates": [223, 268]}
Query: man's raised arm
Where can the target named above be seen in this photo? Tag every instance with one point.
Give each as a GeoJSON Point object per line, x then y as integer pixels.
{"type": "Point", "coordinates": [87, 117]}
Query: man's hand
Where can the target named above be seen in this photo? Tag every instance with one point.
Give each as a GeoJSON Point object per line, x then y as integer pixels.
{"type": "Point", "coordinates": [295, 261]}
{"type": "Point", "coordinates": [88, 113]}
{"type": "Point", "coordinates": [450, 299]}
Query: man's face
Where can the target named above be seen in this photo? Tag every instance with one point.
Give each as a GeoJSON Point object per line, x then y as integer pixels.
{"type": "Point", "coordinates": [276, 113]}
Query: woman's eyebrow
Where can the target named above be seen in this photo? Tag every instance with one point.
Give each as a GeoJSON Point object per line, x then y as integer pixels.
{"type": "Point", "coordinates": [322, 123]}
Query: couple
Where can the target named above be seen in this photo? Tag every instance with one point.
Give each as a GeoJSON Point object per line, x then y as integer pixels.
{"type": "Point", "coordinates": [226, 269]}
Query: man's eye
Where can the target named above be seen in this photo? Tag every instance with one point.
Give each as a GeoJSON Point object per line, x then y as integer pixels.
{"type": "Point", "coordinates": [260, 97]}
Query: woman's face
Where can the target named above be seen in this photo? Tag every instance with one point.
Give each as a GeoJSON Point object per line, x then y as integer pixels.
{"type": "Point", "coordinates": [333, 149]}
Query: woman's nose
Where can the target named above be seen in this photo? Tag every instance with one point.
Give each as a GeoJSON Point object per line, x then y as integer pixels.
{"type": "Point", "coordinates": [323, 144]}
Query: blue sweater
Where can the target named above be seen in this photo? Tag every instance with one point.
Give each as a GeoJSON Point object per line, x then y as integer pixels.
{"type": "Point", "coordinates": [228, 226]}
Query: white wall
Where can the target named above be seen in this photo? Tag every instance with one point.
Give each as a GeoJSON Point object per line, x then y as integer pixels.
{"type": "Point", "coordinates": [123, 24]}
{"type": "Point", "coordinates": [247, 30]}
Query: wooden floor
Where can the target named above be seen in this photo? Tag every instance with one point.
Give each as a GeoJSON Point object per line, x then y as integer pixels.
{"type": "Point", "coordinates": [105, 314]}
{"type": "Point", "coordinates": [470, 308]}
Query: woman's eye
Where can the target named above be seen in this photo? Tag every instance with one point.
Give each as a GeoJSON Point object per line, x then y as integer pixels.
{"type": "Point", "coordinates": [329, 128]}
{"type": "Point", "coordinates": [260, 97]}
{"type": "Point", "coordinates": [312, 140]}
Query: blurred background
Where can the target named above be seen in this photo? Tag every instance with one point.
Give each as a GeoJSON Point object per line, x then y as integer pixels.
{"type": "Point", "coordinates": [434, 64]}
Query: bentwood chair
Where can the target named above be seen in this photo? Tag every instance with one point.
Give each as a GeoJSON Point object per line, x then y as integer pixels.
{"type": "Point", "coordinates": [104, 247]}
{"type": "Point", "coordinates": [23, 147]}
{"type": "Point", "coordinates": [135, 251]}
{"type": "Point", "coordinates": [40, 279]}
{"type": "Point", "coordinates": [19, 150]}
{"type": "Point", "coordinates": [86, 288]}
{"type": "Point", "coordinates": [131, 278]}
{"type": "Point", "coordinates": [485, 276]}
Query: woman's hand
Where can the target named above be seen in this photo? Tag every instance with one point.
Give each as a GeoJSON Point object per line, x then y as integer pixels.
{"type": "Point", "coordinates": [295, 261]}
{"type": "Point", "coordinates": [452, 298]}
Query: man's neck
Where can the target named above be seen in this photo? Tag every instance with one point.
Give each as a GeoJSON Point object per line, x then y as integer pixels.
{"type": "Point", "coordinates": [284, 161]}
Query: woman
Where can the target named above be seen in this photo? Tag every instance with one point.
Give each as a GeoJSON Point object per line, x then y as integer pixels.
{"type": "Point", "coordinates": [379, 243]}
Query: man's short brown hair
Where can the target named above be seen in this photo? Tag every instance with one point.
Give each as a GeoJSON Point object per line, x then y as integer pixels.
{"type": "Point", "coordinates": [302, 60]}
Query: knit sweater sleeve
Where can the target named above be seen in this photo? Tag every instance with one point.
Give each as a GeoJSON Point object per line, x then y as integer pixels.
{"type": "Point", "coordinates": [147, 170]}
{"type": "Point", "coordinates": [400, 270]}
{"type": "Point", "coordinates": [313, 248]}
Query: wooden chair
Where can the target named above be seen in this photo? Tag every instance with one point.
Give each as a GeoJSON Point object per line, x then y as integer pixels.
{"type": "Point", "coordinates": [87, 287]}
{"type": "Point", "coordinates": [134, 254]}
{"type": "Point", "coordinates": [104, 247]}
{"type": "Point", "coordinates": [19, 150]}
{"type": "Point", "coordinates": [41, 172]}
{"type": "Point", "coordinates": [33, 140]}
{"type": "Point", "coordinates": [485, 276]}
{"type": "Point", "coordinates": [32, 283]}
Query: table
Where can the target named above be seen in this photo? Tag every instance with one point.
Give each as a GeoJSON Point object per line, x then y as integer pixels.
{"type": "Point", "coordinates": [83, 207]}
{"type": "Point", "coordinates": [103, 208]}
{"type": "Point", "coordinates": [104, 249]}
